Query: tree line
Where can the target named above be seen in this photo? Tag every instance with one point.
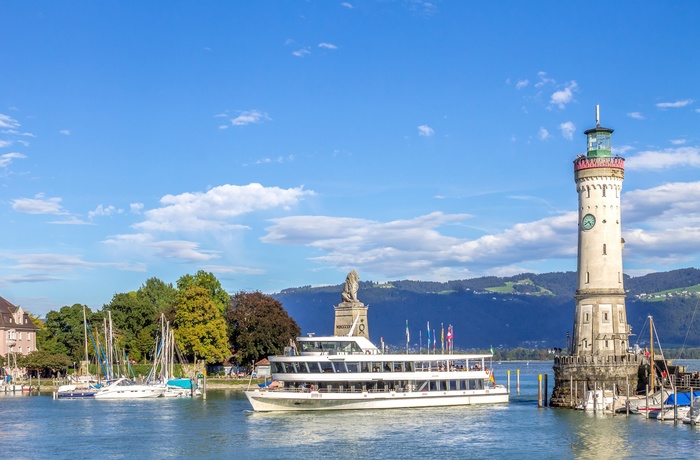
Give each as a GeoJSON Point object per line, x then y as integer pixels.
{"type": "Point", "coordinates": [209, 324]}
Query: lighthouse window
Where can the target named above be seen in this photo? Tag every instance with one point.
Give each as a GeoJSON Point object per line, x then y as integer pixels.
{"type": "Point", "coordinates": [588, 192]}
{"type": "Point", "coordinates": [587, 278]}
{"type": "Point", "coordinates": [605, 316]}
{"type": "Point", "coordinates": [604, 249]}
{"type": "Point", "coordinates": [606, 344]}
{"type": "Point", "coordinates": [604, 188]}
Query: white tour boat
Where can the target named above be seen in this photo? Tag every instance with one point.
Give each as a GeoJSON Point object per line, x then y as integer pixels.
{"type": "Point", "coordinates": [349, 372]}
{"type": "Point", "coordinates": [124, 388]}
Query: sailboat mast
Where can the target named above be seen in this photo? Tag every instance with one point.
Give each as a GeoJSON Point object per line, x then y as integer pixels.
{"type": "Point", "coordinates": [651, 352]}
{"type": "Point", "coordinates": [87, 362]}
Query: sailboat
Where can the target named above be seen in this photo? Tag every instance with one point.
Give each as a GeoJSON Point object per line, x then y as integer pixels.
{"type": "Point", "coordinates": [123, 387]}
{"type": "Point", "coordinates": [163, 372]}
{"type": "Point", "coordinates": [82, 386]}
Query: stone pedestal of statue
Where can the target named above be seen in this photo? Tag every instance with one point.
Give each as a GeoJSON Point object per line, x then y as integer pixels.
{"type": "Point", "coordinates": [348, 314]}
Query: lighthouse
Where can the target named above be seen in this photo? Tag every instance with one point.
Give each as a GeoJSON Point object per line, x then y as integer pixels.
{"type": "Point", "coordinates": [598, 357]}
{"type": "Point", "coordinates": [600, 323]}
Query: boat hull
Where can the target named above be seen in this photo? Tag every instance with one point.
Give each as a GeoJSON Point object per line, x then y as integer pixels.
{"type": "Point", "coordinates": [269, 401]}
{"type": "Point", "coordinates": [123, 389]}
{"type": "Point", "coordinates": [76, 394]}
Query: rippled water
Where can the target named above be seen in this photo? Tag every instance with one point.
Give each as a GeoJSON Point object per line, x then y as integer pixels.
{"type": "Point", "coordinates": [222, 426]}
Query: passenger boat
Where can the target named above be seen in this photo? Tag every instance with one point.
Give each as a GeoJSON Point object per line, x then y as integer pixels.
{"type": "Point", "coordinates": [350, 372]}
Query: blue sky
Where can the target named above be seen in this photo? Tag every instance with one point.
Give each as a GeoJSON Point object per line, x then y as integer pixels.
{"type": "Point", "coordinates": [282, 144]}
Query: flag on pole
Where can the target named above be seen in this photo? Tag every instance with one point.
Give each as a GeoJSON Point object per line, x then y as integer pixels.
{"type": "Point", "coordinates": [450, 337]}
{"type": "Point", "coordinates": [428, 337]}
{"type": "Point", "coordinates": [408, 335]}
{"type": "Point", "coordinates": [442, 336]}
{"type": "Point", "coordinates": [434, 341]}
{"type": "Point", "coordinates": [420, 341]}
{"type": "Point", "coordinates": [491, 349]}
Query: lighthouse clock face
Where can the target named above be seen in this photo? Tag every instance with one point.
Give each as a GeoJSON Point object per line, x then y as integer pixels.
{"type": "Point", "coordinates": [588, 221]}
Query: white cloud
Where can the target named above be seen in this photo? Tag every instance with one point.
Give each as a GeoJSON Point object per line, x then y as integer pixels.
{"type": "Point", "coordinates": [301, 52]}
{"type": "Point", "coordinates": [664, 159]}
{"type": "Point", "coordinates": [674, 105]}
{"type": "Point", "coordinates": [70, 220]}
{"type": "Point", "coordinates": [185, 250]}
{"type": "Point", "coordinates": [5, 144]}
{"type": "Point", "coordinates": [522, 83]}
{"type": "Point", "coordinates": [7, 158]}
{"type": "Point", "coordinates": [38, 205]}
{"type": "Point", "coordinates": [416, 248]}
{"type": "Point", "coordinates": [636, 115]}
{"type": "Point", "coordinates": [659, 206]}
{"type": "Point", "coordinates": [678, 141]}
{"type": "Point", "coordinates": [346, 5]}
{"type": "Point", "coordinates": [425, 130]}
{"type": "Point", "coordinates": [329, 46]}
{"type": "Point", "coordinates": [101, 211]}
{"type": "Point", "coordinates": [544, 80]}
{"type": "Point", "coordinates": [567, 130]}
{"type": "Point", "coordinates": [564, 96]}
{"type": "Point", "coordinates": [40, 267]}
{"type": "Point", "coordinates": [7, 121]}
{"type": "Point", "coordinates": [65, 132]}
{"type": "Point", "coordinates": [136, 208]}
{"type": "Point", "coordinates": [145, 245]}
{"type": "Point", "coordinates": [214, 209]}
{"type": "Point", "coordinates": [622, 149]}
{"type": "Point", "coordinates": [250, 116]}
{"type": "Point", "coordinates": [543, 134]}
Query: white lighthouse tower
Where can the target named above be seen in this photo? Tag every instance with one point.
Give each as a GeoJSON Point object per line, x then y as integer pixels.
{"type": "Point", "coordinates": [600, 324]}
{"type": "Point", "coordinates": [598, 356]}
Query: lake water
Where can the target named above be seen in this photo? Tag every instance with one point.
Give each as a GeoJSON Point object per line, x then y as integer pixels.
{"type": "Point", "coordinates": [222, 427]}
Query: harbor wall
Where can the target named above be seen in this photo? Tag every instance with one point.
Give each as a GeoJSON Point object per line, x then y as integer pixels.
{"type": "Point", "coordinates": [574, 375]}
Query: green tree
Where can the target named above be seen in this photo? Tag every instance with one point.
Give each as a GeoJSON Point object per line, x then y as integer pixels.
{"type": "Point", "coordinates": [209, 282]}
{"type": "Point", "coordinates": [136, 315]}
{"type": "Point", "coordinates": [41, 360]}
{"type": "Point", "coordinates": [258, 326]}
{"type": "Point", "coordinates": [200, 328]}
{"type": "Point", "coordinates": [161, 296]}
{"type": "Point", "coordinates": [64, 332]}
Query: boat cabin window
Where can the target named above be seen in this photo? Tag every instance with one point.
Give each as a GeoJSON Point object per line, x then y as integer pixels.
{"type": "Point", "coordinates": [340, 366]}
{"type": "Point", "coordinates": [326, 366]}
{"type": "Point", "coordinates": [331, 348]}
{"type": "Point", "coordinates": [353, 367]}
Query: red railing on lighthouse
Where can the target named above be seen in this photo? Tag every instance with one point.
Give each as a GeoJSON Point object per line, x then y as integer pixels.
{"type": "Point", "coordinates": [584, 162]}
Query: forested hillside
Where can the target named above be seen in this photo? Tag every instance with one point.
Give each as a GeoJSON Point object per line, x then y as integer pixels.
{"type": "Point", "coordinates": [528, 310]}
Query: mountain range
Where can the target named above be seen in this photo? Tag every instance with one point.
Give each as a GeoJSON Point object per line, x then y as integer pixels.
{"type": "Point", "coordinates": [527, 310]}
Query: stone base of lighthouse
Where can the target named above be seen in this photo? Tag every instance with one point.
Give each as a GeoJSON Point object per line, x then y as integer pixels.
{"type": "Point", "coordinates": [575, 375]}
